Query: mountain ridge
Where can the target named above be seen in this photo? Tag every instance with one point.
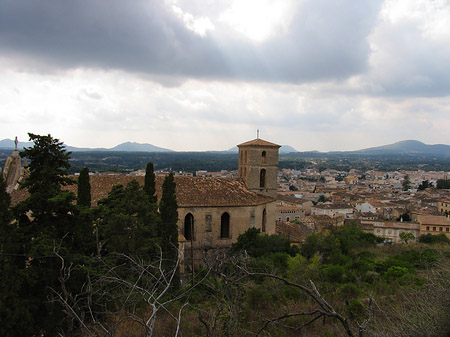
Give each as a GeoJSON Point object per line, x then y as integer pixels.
{"type": "Point", "coordinates": [408, 147]}
{"type": "Point", "coordinates": [401, 147]}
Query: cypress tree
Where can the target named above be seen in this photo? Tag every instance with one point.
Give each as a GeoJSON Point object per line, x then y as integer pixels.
{"type": "Point", "coordinates": [149, 184]}
{"type": "Point", "coordinates": [168, 232]}
{"type": "Point", "coordinates": [84, 188]}
{"type": "Point", "coordinates": [14, 313]}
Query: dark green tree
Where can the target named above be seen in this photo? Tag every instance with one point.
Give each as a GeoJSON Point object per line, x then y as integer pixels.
{"type": "Point", "coordinates": [424, 185]}
{"type": "Point", "coordinates": [168, 230]}
{"type": "Point", "coordinates": [257, 244]}
{"type": "Point", "coordinates": [443, 184]}
{"type": "Point", "coordinates": [407, 236]}
{"type": "Point", "coordinates": [323, 198]}
{"type": "Point", "coordinates": [5, 213]}
{"type": "Point", "coordinates": [404, 217]}
{"type": "Point", "coordinates": [406, 183]}
{"type": "Point", "coordinates": [48, 168]}
{"type": "Point", "coordinates": [84, 188]}
{"type": "Point", "coordinates": [128, 221]}
{"type": "Point", "coordinates": [149, 184]}
{"type": "Point", "coordinates": [13, 313]}
{"type": "Point", "coordinates": [47, 222]}
{"type": "Point", "coordinates": [430, 238]}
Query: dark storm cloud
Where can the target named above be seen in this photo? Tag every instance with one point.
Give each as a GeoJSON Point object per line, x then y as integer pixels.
{"type": "Point", "coordinates": [326, 40]}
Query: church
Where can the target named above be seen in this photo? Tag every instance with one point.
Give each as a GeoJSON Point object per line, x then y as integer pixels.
{"type": "Point", "coordinates": [212, 212]}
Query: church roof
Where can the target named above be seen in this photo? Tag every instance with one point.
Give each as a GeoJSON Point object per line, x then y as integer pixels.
{"type": "Point", "coordinates": [259, 142]}
{"type": "Point", "coordinates": [190, 191]}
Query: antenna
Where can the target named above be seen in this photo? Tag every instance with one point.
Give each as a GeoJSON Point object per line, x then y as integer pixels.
{"type": "Point", "coordinates": [257, 134]}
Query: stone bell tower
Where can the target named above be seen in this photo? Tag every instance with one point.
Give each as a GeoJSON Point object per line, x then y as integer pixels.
{"type": "Point", "coordinates": [258, 166]}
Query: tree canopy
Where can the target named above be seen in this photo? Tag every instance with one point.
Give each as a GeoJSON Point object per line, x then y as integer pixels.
{"type": "Point", "coordinates": [84, 188]}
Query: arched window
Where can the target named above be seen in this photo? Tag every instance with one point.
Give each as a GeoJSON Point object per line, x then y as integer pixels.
{"type": "Point", "coordinates": [225, 226]}
{"type": "Point", "coordinates": [189, 227]}
{"type": "Point", "coordinates": [264, 220]}
{"type": "Point", "coordinates": [262, 178]}
{"type": "Point", "coordinates": [263, 157]}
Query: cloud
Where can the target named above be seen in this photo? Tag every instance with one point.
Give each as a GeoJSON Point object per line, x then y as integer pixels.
{"type": "Point", "coordinates": [150, 37]}
{"type": "Point", "coordinates": [411, 49]}
{"type": "Point", "coordinates": [200, 75]}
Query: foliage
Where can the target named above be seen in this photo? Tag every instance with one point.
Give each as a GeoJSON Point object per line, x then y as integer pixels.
{"type": "Point", "coordinates": [257, 244]}
{"type": "Point", "coordinates": [434, 239]}
{"type": "Point", "coordinates": [149, 184]}
{"type": "Point", "coordinates": [168, 229]}
{"type": "Point", "coordinates": [406, 183]}
{"type": "Point", "coordinates": [404, 217]}
{"type": "Point", "coordinates": [339, 240]}
{"type": "Point", "coordinates": [407, 236]}
{"type": "Point", "coordinates": [443, 184]}
{"type": "Point", "coordinates": [322, 198]}
{"type": "Point", "coordinates": [424, 185]}
{"type": "Point", "coordinates": [5, 214]}
{"type": "Point", "coordinates": [49, 165]}
{"type": "Point", "coordinates": [332, 273]}
{"type": "Point", "coordinates": [45, 222]}
{"type": "Point", "coordinates": [84, 189]}
{"type": "Point", "coordinates": [127, 221]}
{"type": "Point", "coordinates": [9, 278]}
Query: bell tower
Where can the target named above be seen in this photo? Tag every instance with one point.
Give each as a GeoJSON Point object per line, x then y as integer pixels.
{"type": "Point", "coordinates": [258, 166]}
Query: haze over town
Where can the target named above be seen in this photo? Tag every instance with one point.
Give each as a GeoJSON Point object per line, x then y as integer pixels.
{"type": "Point", "coordinates": [195, 75]}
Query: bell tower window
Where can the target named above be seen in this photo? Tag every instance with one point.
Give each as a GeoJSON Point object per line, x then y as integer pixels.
{"type": "Point", "coordinates": [264, 220]}
{"type": "Point", "coordinates": [262, 178]}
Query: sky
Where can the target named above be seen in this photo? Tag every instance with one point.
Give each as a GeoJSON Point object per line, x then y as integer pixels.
{"type": "Point", "coordinates": [198, 75]}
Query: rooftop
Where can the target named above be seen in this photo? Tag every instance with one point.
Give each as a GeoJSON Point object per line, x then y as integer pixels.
{"type": "Point", "coordinates": [259, 142]}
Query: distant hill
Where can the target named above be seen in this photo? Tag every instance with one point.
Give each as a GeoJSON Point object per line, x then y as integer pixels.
{"type": "Point", "coordinates": [408, 147]}
{"type": "Point", "coordinates": [9, 144]}
{"type": "Point", "coordinates": [402, 147]}
{"type": "Point", "coordinates": [131, 146]}
{"type": "Point", "coordinates": [283, 149]}
{"type": "Point", "coordinates": [287, 149]}
{"type": "Point", "coordinates": [126, 147]}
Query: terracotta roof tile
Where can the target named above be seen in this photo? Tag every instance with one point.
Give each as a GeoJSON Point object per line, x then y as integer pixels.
{"type": "Point", "coordinates": [259, 142]}
{"type": "Point", "coordinates": [191, 191]}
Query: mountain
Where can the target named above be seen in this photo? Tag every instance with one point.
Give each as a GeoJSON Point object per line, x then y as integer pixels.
{"type": "Point", "coordinates": [127, 147]}
{"type": "Point", "coordinates": [9, 144]}
{"type": "Point", "coordinates": [408, 147]}
{"type": "Point", "coordinates": [287, 149]}
{"type": "Point", "coordinates": [135, 147]}
{"type": "Point", "coordinates": [402, 147]}
{"type": "Point", "coordinates": [283, 149]}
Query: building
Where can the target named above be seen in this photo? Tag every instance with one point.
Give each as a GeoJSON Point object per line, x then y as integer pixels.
{"type": "Point", "coordinates": [333, 210]}
{"type": "Point", "coordinates": [286, 213]}
{"type": "Point", "coordinates": [258, 166]}
{"type": "Point", "coordinates": [390, 230]}
{"type": "Point", "coordinates": [434, 224]}
{"type": "Point", "coordinates": [444, 206]}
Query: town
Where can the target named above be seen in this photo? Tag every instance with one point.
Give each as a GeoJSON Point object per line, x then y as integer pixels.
{"type": "Point", "coordinates": [383, 203]}
{"type": "Point", "coordinates": [270, 238]}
